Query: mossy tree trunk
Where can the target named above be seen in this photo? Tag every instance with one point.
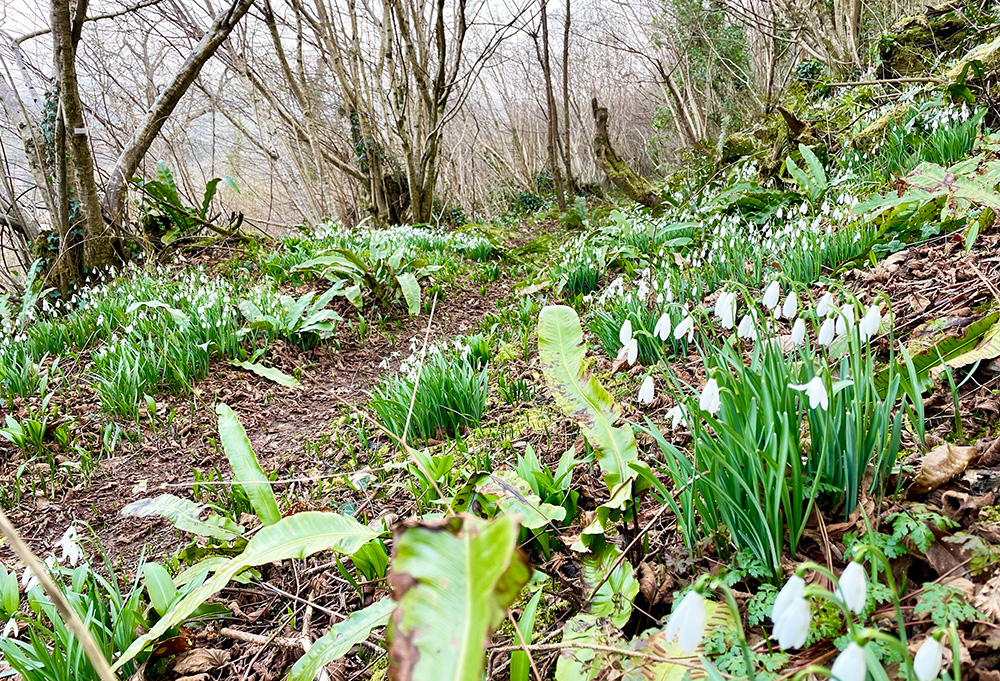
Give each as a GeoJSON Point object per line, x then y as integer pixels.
{"type": "Point", "coordinates": [621, 175]}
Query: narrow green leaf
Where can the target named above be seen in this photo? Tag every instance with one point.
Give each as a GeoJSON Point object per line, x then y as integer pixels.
{"type": "Point", "coordinates": [341, 638]}
{"type": "Point", "coordinates": [184, 514]}
{"type": "Point", "coordinates": [270, 373]}
{"type": "Point", "coordinates": [160, 587]}
{"type": "Point", "coordinates": [245, 466]}
{"type": "Point", "coordinates": [520, 667]}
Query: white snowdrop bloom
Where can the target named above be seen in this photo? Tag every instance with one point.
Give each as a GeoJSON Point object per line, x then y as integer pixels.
{"type": "Point", "coordinates": [827, 331]}
{"type": "Point", "coordinates": [793, 589]}
{"type": "Point", "coordinates": [662, 328]}
{"type": "Point", "coordinates": [853, 587]}
{"type": "Point", "coordinates": [778, 213]}
{"type": "Point", "coordinates": [825, 305]}
{"type": "Point", "coordinates": [69, 547]}
{"type": "Point", "coordinates": [804, 208]}
{"type": "Point", "coordinates": [647, 390]}
{"type": "Point", "coordinates": [625, 333]}
{"type": "Point", "coordinates": [687, 622]}
{"type": "Point", "coordinates": [746, 329]}
{"type": "Point", "coordinates": [772, 294]}
{"type": "Point", "coordinates": [791, 305]}
{"type": "Point", "coordinates": [686, 327]}
{"type": "Point", "coordinates": [845, 320]}
{"type": "Point", "coordinates": [11, 628]}
{"type": "Point", "coordinates": [710, 400]}
{"type": "Point", "coordinates": [850, 664]}
{"type": "Point", "coordinates": [799, 331]}
{"type": "Point", "coordinates": [676, 415]}
{"type": "Point", "coordinates": [815, 390]}
{"type": "Point", "coordinates": [725, 309]}
{"type": "Point", "coordinates": [870, 323]}
{"type": "Point", "coordinates": [629, 352]}
{"type": "Point", "coordinates": [927, 661]}
{"type": "Point", "coordinates": [791, 624]}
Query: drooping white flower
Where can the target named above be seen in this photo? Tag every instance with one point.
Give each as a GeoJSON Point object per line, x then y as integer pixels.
{"type": "Point", "coordinates": [677, 415]}
{"type": "Point", "coordinates": [710, 400]}
{"type": "Point", "coordinates": [630, 351]}
{"type": "Point", "coordinates": [647, 390]}
{"type": "Point", "coordinates": [870, 323]}
{"type": "Point", "coordinates": [11, 628]}
{"type": "Point", "coordinates": [927, 661]}
{"type": "Point", "coordinates": [825, 305]}
{"type": "Point", "coordinates": [686, 327]}
{"type": "Point", "coordinates": [853, 587]}
{"type": "Point", "coordinates": [791, 625]}
{"type": "Point", "coordinates": [850, 664]}
{"type": "Point", "coordinates": [827, 331]}
{"type": "Point", "coordinates": [799, 331]}
{"type": "Point", "coordinates": [771, 295]}
{"type": "Point", "coordinates": [625, 333]}
{"type": "Point", "coordinates": [68, 544]}
{"type": "Point", "coordinates": [687, 622]}
{"type": "Point", "coordinates": [725, 308]}
{"type": "Point", "coordinates": [815, 389]}
{"type": "Point", "coordinates": [790, 306]}
{"type": "Point", "coordinates": [746, 329]}
{"type": "Point", "coordinates": [662, 328]}
{"type": "Point", "coordinates": [845, 320]}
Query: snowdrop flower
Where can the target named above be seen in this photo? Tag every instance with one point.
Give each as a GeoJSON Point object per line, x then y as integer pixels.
{"type": "Point", "coordinates": [710, 400]}
{"type": "Point", "coordinates": [870, 323]}
{"type": "Point", "coordinates": [790, 306]}
{"type": "Point", "coordinates": [685, 327]}
{"type": "Point", "coordinates": [826, 331]}
{"type": "Point", "coordinates": [815, 390]}
{"type": "Point", "coordinates": [70, 547]}
{"type": "Point", "coordinates": [746, 329]}
{"type": "Point", "coordinates": [687, 622]}
{"type": "Point", "coordinates": [927, 662]}
{"type": "Point", "coordinates": [629, 351]}
{"type": "Point", "coordinates": [825, 305]}
{"type": "Point", "coordinates": [845, 322]}
{"type": "Point", "coordinates": [662, 328]}
{"type": "Point", "coordinates": [625, 333]}
{"type": "Point", "coordinates": [850, 664]}
{"type": "Point", "coordinates": [799, 331]}
{"type": "Point", "coordinates": [647, 390]}
{"type": "Point", "coordinates": [792, 621]}
{"type": "Point", "coordinates": [725, 308]}
{"type": "Point", "coordinates": [677, 416]}
{"type": "Point", "coordinates": [793, 590]}
{"type": "Point", "coordinates": [11, 628]}
{"type": "Point", "coordinates": [852, 587]}
{"type": "Point", "coordinates": [771, 295]}
{"type": "Point", "coordinates": [29, 580]}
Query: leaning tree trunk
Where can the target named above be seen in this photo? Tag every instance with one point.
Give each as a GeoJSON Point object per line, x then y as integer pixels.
{"type": "Point", "coordinates": [163, 106]}
{"type": "Point", "coordinates": [636, 188]}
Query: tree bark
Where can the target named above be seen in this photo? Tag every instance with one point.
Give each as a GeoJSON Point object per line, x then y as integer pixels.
{"type": "Point", "coordinates": [98, 247]}
{"type": "Point", "coordinates": [163, 106]}
{"type": "Point", "coordinates": [636, 188]}
{"type": "Point", "coordinates": [551, 111]}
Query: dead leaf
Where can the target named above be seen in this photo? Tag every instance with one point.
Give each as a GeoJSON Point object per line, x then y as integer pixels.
{"type": "Point", "coordinates": [987, 598]}
{"type": "Point", "coordinates": [200, 660]}
{"type": "Point", "coordinates": [940, 465]}
{"type": "Point", "coordinates": [918, 302]}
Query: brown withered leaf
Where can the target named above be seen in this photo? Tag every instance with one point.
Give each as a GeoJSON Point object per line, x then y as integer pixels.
{"type": "Point", "coordinates": [200, 660]}
{"type": "Point", "coordinates": [987, 598]}
{"type": "Point", "coordinates": [940, 465]}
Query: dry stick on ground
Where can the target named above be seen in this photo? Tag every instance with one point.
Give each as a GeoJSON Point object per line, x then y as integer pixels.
{"type": "Point", "coordinates": [524, 646]}
{"type": "Point", "coordinates": [69, 616]}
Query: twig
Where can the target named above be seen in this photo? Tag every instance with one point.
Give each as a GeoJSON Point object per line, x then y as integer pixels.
{"type": "Point", "coordinates": [68, 614]}
{"type": "Point", "coordinates": [258, 640]}
{"type": "Point", "coordinates": [889, 81]}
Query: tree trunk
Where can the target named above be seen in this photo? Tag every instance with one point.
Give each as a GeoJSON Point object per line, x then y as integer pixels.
{"type": "Point", "coordinates": [636, 188]}
{"type": "Point", "coordinates": [567, 149]}
{"type": "Point", "coordinates": [98, 247]}
{"type": "Point", "coordinates": [552, 112]}
{"type": "Point", "coordinates": [164, 105]}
